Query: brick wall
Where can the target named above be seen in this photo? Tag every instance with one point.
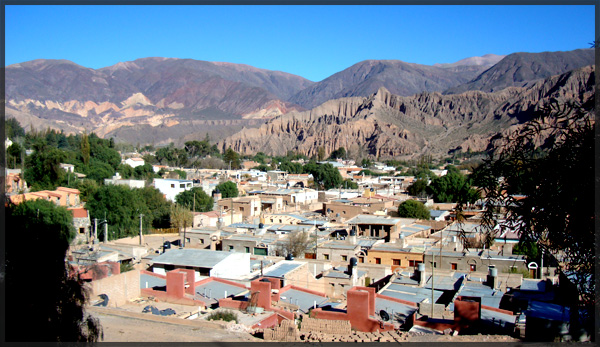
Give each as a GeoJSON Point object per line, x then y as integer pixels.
{"type": "Point", "coordinates": [287, 332]}
{"type": "Point", "coordinates": [325, 326]}
{"type": "Point", "coordinates": [119, 288]}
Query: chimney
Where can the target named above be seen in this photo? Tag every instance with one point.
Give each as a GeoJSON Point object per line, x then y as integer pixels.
{"type": "Point", "coordinates": [492, 277]}
{"type": "Point", "coordinates": [402, 241]}
{"type": "Point", "coordinates": [420, 274]}
{"type": "Point", "coordinates": [352, 237]}
{"type": "Point", "coordinates": [353, 270]}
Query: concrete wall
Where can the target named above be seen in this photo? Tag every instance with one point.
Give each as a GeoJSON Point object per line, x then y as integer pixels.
{"type": "Point", "coordinates": [387, 258]}
{"type": "Point", "coordinates": [119, 288]}
{"type": "Point", "coordinates": [303, 278]}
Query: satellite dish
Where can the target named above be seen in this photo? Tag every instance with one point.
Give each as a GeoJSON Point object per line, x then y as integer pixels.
{"type": "Point", "coordinates": [384, 315]}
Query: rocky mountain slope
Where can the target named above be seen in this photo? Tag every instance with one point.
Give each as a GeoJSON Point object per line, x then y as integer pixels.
{"type": "Point", "coordinates": [161, 100]}
{"type": "Point", "coordinates": [398, 77]}
{"type": "Point", "coordinates": [387, 125]}
{"type": "Point", "coordinates": [520, 69]}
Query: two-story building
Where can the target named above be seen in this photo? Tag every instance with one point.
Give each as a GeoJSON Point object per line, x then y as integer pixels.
{"type": "Point", "coordinates": [171, 187]}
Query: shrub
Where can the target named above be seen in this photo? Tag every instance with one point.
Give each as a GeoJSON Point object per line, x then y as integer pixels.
{"type": "Point", "coordinates": [226, 316]}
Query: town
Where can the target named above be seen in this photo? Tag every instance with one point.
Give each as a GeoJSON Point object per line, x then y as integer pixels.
{"type": "Point", "coordinates": [301, 250]}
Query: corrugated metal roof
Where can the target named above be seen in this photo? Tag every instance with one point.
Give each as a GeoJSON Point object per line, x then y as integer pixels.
{"type": "Point", "coordinates": [149, 281]}
{"type": "Point", "coordinates": [533, 285]}
{"type": "Point", "coordinates": [303, 299]}
{"type": "Point", "coordinates": [369, 219]}
{"type": "Point", "coordinates": [192, 257]}
{"type": "Point", "coordinates": [282, 268]}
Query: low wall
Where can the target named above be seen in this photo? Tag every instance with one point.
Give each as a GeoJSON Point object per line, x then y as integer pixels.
{"type": "Point", "coordinates": [120, 288]}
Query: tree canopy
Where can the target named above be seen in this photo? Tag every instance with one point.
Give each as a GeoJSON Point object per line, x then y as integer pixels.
{"type": "Point", "coordinates": [228, 189]}
{"type": "Point", "coordinates": [452, 187]}
{"type": "Point", "coordinates": [57, 312]}
{"type": "Point", "coordinates": [204, 202]}
{"type": "Point", "coordinates": [543, 175]}
{"type": "Point", "coordinates": [413, 209]}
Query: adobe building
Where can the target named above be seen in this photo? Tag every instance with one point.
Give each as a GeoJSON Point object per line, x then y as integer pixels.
{"type": "Point", "coordinates": [382, 227]}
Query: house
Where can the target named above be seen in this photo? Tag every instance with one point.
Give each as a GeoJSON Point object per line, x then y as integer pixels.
{"type": "Point", "coordinates": [171, 187]}
{"type": "Point", "coordinates": [337, 251]}
{"type": "Point", "coordinates": [292, 272]}
{"type": "Point", "coordinates": [204, 263]}
{"type": "Point", "coordinates": [395, 255]}
{"type": "Point", "coordinates": [344, 209]}
{"type": "Point", "coordinates": [378, 226]}
{"type": "Point", "coordinates": [15, 184]}
{"type": "Point", "coordinates": [134, 162]}
{"type": "Point", "coordinates": [244, 243]}
{"type": "Point", "coordinates": [82, 223]}
{"type": "Point", "coordinates": [247, 206]}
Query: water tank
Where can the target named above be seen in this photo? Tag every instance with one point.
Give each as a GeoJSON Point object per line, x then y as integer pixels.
{"type": "Point", "coordinates": [167, 245]}
{"type": "Point", "coordinates": [261, 225]}
{"type": "Point", "coordinates": [352, 232]}
{"type": "Point", "coordinates": [493, 271]}
{"type": "Point", "coordinates": [353, 261]}
{"type": "Point", "coordinates": [421, 267]}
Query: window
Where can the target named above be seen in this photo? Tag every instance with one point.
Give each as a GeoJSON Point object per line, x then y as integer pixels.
{"type": "Point", "coordinates": [434, 264]}
{"type": "Point", "coordinates": [230, 247]}
{"type": "Point", "coordinates": [412, 263]}
{"type": "Point", "coordinates": [201, 241]}
{"type": "Point", "coordinates": [344, 257]}
{"type": "Point", "coordinates": [396, 261]}
{"type": "Point", "coordinates": [454, 266]}
{"type": "Point", "coordinates": [361, 259]}
{"type": "Point", "coordinates": [377, 260]}
{"type": "Point", "coordinates": [326, 256]}
{"type": "Point", "coordinates": [173, 185]}
{"type": "Point", "coordinates": [247, 249]}
{"type": "Point", "coordinates": [182, 185]}
{"type": "Point", "coordinates": [473, 267]}
{"type": "Point", "coordinates": [82, 230]}
{"type": "Point", "coordinates": [241, 209]}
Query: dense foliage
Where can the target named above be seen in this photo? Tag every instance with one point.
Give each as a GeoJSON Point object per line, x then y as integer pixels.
{"type": "Point", "coordinates": [543, 176]}
{"type": "Point", "coordinates": [413, 209]}
{"type": "Point", "coordinates": [56, 313]}
{"type": "Point", "coordinates": [228, 189]}
{"type": "Point", "coordinates": [453, 187]}
{"type": "Point", "coordinates": [195, 199]}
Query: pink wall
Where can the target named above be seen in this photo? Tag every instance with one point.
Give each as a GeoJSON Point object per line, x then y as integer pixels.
{"type": "Point", "coordinates": [268, 322]}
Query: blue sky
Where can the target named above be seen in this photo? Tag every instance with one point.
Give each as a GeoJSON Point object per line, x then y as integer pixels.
{"type": "Point", "coordinates": [310, 41]}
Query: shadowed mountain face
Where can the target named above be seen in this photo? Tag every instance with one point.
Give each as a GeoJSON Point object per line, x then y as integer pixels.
{"type": "Point", "coordinates": [385, 125]}
{"type": "Point", "coordinates": [398, 77]}
{"type": "Point", "coordinates": [519, 69]}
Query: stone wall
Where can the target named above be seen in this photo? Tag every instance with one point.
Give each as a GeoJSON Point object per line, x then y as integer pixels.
{"type": "Point", "coordinates": [287, 332]}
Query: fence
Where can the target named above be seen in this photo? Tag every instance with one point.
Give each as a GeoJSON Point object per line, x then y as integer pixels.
{"type": "Point", "coordinates": [163, 231]}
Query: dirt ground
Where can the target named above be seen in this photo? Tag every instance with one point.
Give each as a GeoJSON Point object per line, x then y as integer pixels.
{"type": "Point", "coordinates": [127, 329]}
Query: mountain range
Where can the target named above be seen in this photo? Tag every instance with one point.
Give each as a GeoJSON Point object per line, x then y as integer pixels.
{"type": "Point", "coordinates": [160, 100]}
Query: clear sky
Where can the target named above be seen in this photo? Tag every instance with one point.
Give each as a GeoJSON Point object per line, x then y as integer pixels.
{"type": "Point", "coordinates": [310, 41]}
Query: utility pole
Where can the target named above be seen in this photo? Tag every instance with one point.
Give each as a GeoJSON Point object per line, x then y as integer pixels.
{"type": "Point", "coordinates": [95, 230]}
{"type": "Point", "coordinates": [194, 208]}
{"type": "Point", "coordinates": [141, 216]}
{"type": "Point", "coordinates": [432, 263]}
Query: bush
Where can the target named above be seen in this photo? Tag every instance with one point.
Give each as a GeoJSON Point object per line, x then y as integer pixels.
{"type": "Point", "coordinates": [226, 315]}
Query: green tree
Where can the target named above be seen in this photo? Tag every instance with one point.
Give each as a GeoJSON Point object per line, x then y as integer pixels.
{"type": "Point", "coordinates": [59, 308]}
{"type": "Point", "coordinates": [549, 162]}
{"type": "Point", "coordinates": [350, 184]}
{"type": "Point", "coordinates": [180, 217]}
{"type": "Point", "coordinates": [204, 203]}
{"type": "Point", "coordinates": [13, 129]}
{"type": "Point", "coordinates": [339, 153]}
{"type": "Point", "coordinates": [158, 206]}
{"type": "Point", "coordinates": [42, 168]}
{"type": "Point", "coordinates": [320, 153]}
{"type": "Point", "coordinates": [230, 157]}
{"type": "Point", "coordinates": [413, 209]}
{"type": "Point", "coordinates": [228, 189]}
{"type": "Point", "coordinates": [260, 158]}
{"type": "Point", "coordinates": [125, 170]}
{"type": "Point", "coordinates": [452, 187]}
{"type": "Point", "coordinates": [145, 172]}
{"type": "Point", "coordinates": [291, 168]}
{"type": "Point", "coordinates": [417, 188]}
{"type": "Point", "coordinates": [325, 175]}
{"type": "Point", "coordinates": [122, 207]}
{"type": "Point", "coordinates": [13, 155]}
{"type": "Point", "coordinates": [85, 149]}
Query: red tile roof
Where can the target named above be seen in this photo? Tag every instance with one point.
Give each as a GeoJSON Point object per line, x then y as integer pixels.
{"type": "Point", "coordinates": [79, 212]}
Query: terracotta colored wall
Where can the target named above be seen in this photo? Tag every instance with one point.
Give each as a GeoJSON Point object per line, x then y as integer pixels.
{"type": "Point", "coordinates": [230, 303]}
{"type": "Point", "coordinates": [264, 296]}
{"type": "Point", "coordinates": [175, 284]}
{"type": "Point", "coordinates": [387, 258]}
{"type": "Point", "coordinates": [269, 322]}
{"type": "Point", "coordinates": [467, 312]}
